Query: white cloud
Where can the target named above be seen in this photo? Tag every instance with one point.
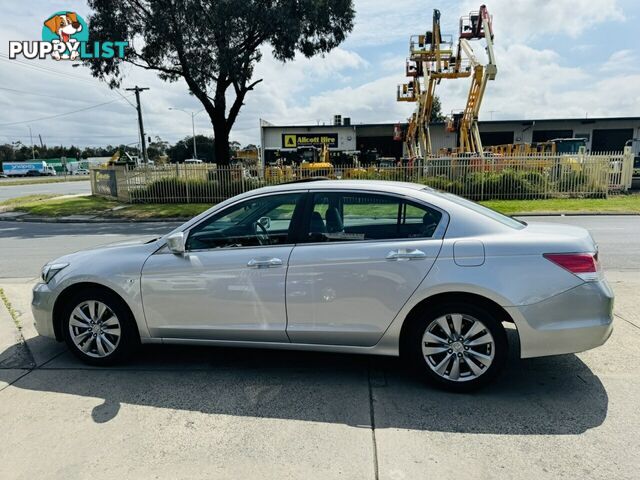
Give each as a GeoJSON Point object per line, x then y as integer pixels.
{"type": "Point", "coordinates": [621, 61]}
{"type": "Point", "coordinates": [521, 20]}
{"type": "Point", "coordinates": [535, 84]}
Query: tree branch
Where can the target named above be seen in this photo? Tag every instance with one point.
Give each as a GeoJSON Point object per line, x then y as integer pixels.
{"type": "Point", "coordinates": [149, 66]}
{"type": "Point", "coordinates": [250, 87]}
{"type": "Point", "coordinates": [140, 6]}
{"type": "Point", "coordinates": [238, 102]}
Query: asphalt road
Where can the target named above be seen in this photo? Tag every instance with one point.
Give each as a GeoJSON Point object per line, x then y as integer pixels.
{"type": "Point", "coordinates": [618, 237]}
{"type": "Point", "coordinates": [58, 188]}
{"type": "Point", "coordinates": [26, 246]}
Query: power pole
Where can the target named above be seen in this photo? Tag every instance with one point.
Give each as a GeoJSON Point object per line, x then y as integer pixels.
{"type": "Point", "coordinates": [137, 90]}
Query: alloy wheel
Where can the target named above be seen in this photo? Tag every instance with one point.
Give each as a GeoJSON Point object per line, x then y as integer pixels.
{"type": "Point", "coordinates": [458, 347]}
{"type": "Point", "coordinates": [94, 329]}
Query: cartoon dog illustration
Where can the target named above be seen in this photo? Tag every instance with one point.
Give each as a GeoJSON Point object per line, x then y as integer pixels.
{"type": "Point", "coordinates": [65, 25]}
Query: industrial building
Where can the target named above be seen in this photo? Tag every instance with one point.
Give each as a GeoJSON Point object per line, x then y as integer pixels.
{"type": "Point", "coordinates": [345, 138]}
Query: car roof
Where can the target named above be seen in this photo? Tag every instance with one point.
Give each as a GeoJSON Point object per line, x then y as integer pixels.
{"type": "Point", "coordinates": [321, 184]}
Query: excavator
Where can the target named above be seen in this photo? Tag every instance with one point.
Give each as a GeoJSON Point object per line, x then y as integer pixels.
{"type": "Point", "coordinates": [431, 60]}
{"type": "Point", "coordinates": [315, 161]}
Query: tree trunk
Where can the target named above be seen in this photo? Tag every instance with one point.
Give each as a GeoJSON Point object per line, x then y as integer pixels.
{"type": "Point", "coordinates": [221, 145]}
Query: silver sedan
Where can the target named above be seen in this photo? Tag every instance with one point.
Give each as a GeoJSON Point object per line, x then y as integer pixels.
{"type": "Point", "coordinates": [382, 268]}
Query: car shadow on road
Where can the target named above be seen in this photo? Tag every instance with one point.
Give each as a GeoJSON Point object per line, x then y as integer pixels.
{"type": "Point", "coordinates": [548, 396]}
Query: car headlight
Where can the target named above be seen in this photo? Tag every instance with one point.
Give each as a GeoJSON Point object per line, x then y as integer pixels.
{"type": "Point", "coordinates": [50, 270]}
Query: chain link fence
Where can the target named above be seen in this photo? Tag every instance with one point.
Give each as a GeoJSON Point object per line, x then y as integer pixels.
{"type": "Point", "coordinates": [473, 177]}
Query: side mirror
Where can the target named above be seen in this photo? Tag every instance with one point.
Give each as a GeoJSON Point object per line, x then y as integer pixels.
{"type": "Point", "coordinates": [265, 222]}
{"type": "Point", "coordinates": [176, 243]}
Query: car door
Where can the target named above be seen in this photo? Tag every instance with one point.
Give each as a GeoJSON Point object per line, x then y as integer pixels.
{"type": "Point", "coordinates": [230, 282]}
{"type": "Point", "coordinates": [363, 257]}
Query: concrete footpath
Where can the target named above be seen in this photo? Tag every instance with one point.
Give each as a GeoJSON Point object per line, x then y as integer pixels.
{"type": "Point", "coordinates": [239, 413]}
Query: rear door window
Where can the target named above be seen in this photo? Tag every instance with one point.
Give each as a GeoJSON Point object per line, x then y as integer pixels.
{"type": "Point", "coordinates": [346, 216]}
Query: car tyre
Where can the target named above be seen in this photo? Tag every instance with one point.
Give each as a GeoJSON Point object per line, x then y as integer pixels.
{"type": "Point", "coordinates": [99, 328]}
{"type": "Point", "coordinates": [456, 346]}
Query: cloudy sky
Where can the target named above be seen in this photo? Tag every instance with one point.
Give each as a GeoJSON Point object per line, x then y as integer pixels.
{"type": "Point", "coordinates": [556, 59]}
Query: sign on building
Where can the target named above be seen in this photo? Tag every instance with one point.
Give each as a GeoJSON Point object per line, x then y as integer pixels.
{"type": "Point", "coordinates": [296, 140]}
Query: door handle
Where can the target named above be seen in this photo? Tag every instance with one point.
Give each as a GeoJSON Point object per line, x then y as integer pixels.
{"type": "Point", "coordinates": [406, 254]}
{"type": "Point", "coordinates": [264, 262]}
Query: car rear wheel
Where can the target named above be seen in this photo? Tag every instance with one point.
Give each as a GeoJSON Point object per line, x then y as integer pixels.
{"type": "Point", "coordinates": [99, 328]}
{"type": "Point", "coordinates": [460, 347]}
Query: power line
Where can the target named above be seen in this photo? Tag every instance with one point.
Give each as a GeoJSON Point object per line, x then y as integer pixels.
{"type": "Point", "coordinates": [58, 73]}
{"type": "Point", "coordinates": [59, 114]}
{"type": "Point", "coordinates": [41, 68]}
{"type": "Point", "coordinates": [56, 97]}
{"type": "Point", "coordinates": [124, 96]}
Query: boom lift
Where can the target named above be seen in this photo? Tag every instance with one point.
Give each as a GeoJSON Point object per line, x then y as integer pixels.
{"type": "Point", "coordinates": [431, 60]}
{"type": "Point", "coordinates": [476, 26]}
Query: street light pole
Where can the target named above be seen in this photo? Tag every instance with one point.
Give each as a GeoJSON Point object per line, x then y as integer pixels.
{"type": "Point", "coordinates": [33, 154]}
{"type": "Point", "coordinates": [193, 129]}
{"type": "Point", "coordinates": [193, 126]}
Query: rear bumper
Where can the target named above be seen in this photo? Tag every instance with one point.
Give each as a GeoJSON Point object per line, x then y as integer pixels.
{"type": "Point", "coordinates": [573, 321]}
{"type": "Point", "coordinates": [42, 308]}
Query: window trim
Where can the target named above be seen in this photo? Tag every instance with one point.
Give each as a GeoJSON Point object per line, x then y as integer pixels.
{"type": "Point", "coordinates": [296, 220]}
{"type": "Point", "coordinates": [438, 234]}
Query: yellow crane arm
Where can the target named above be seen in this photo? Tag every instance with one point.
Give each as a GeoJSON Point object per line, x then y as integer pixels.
{"type": "Point", "coordinates": [469, 133]}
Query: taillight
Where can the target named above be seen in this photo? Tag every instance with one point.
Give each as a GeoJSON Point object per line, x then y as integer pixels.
{"type": "Point", "coordinates": [584, 265]}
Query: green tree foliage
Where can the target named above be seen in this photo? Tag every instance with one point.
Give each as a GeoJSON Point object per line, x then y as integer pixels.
{"type": "Point", "coordinates": [436, 111]}
{"type": "Point", "coordinates": [18, 152]}
{"type": "Point", "coordinates": [234, 146]}
{"type": "Point", "coordinates": [183, 149]}
{"type": "Point", "coordinates": [214, 45]}
{"type": "Point", "coordinates": [157, 148]}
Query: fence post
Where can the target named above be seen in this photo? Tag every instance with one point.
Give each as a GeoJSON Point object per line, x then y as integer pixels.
{"type": "Point", "coordinates": [186, 182]}
{"type": "Point", "coordinates": [484, 173]}
{"type": "Point", "coordinates": [606, 167]}
{"type": "Point", "coordinates": [627, 168]}
{"type": "Point", "coordinates": [126, 195]}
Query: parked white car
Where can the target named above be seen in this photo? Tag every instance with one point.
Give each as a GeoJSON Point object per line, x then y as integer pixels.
{"type": "Point", "coordinates": [81, 171]}
{"type": "Point", "coordinates": [345, 266]}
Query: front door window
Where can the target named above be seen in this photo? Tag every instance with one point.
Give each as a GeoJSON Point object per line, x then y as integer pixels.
{"type": "Point", "coordinates": [257, 222]}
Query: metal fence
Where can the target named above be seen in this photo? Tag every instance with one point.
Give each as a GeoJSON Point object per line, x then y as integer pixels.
{"type": "Point", "coordinates": [492, 177]}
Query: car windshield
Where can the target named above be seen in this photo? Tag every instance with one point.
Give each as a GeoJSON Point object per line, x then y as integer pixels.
{"type": "Point", "coordinates": [487, 212]}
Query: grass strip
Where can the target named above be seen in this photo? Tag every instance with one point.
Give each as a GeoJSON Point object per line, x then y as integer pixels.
{"type": "Point", "coordinates": [12, 311]}
{"type": "Point", "coordinates": [36, 180]}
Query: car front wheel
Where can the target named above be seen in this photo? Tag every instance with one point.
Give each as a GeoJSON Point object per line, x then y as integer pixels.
{"type": "Point", "coordinates": [98, 327]}
{"type": "Point", "coordinates": [459, 347]}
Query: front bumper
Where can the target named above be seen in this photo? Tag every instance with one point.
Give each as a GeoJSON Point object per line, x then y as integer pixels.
{"type": "Point", "coordinates": [42, 308]}
{"type": "Point", "coordinates": [570, 322]}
